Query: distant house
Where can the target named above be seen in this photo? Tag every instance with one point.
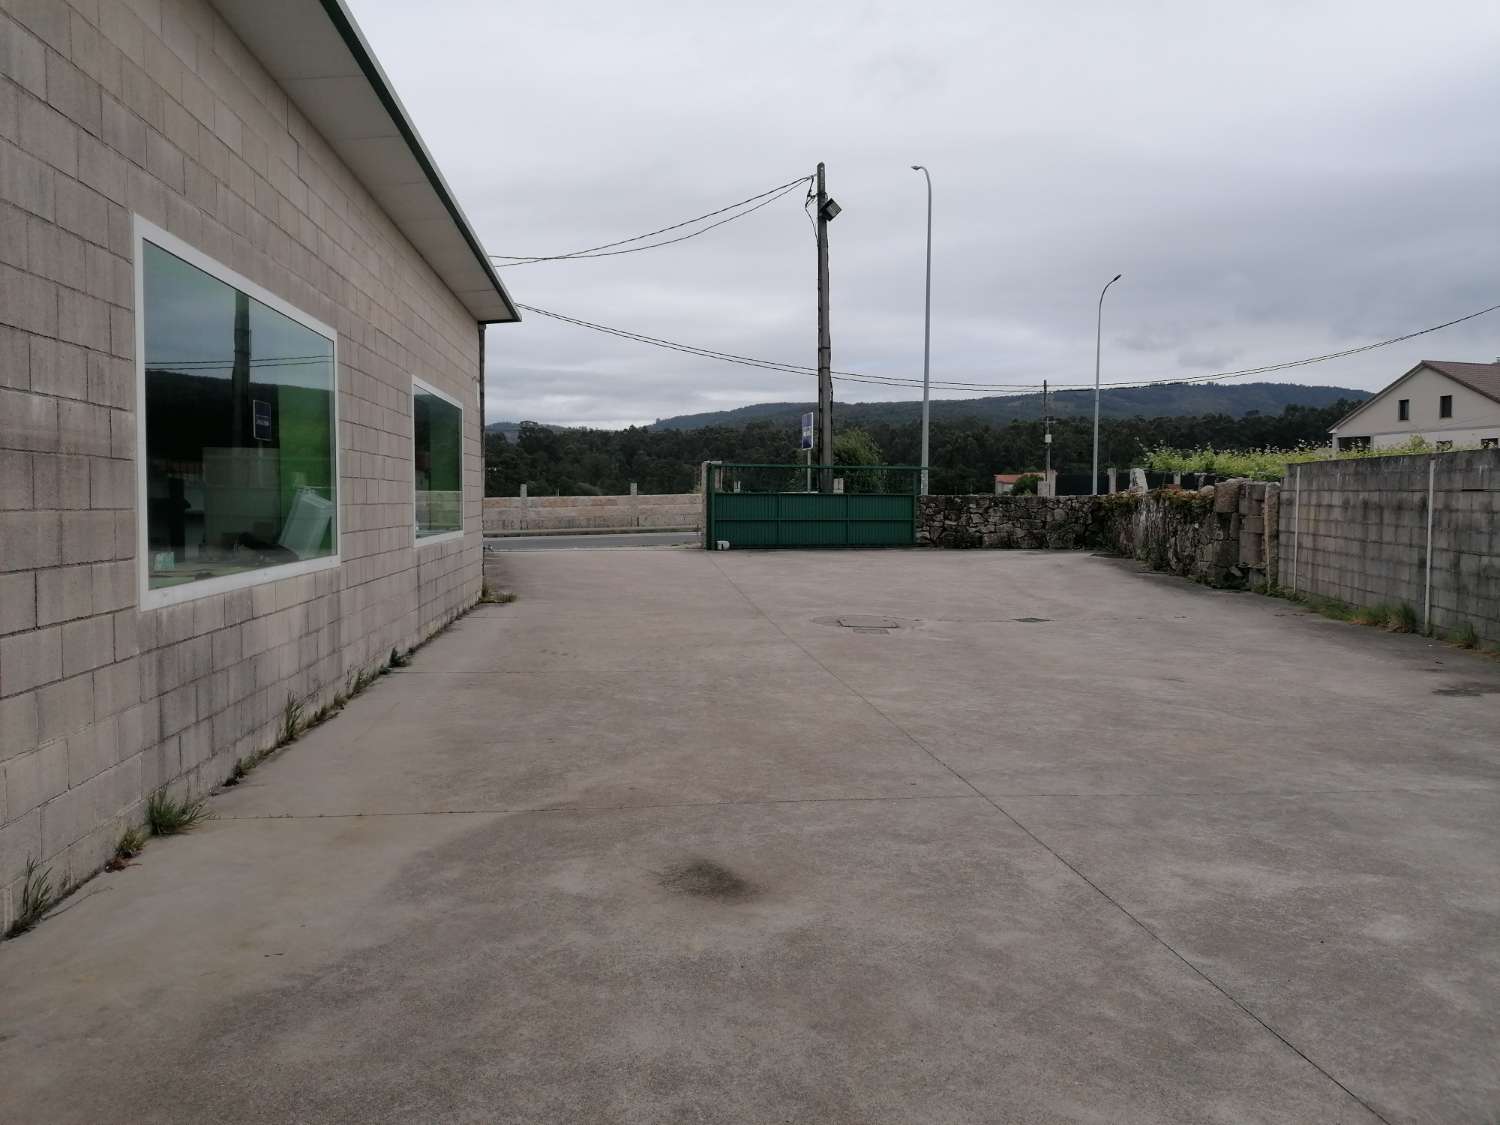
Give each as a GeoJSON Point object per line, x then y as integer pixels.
{"type": "Point", "coordinates": [1006, 482]}
{"type": "Point", "coordinates": [1445, 403]}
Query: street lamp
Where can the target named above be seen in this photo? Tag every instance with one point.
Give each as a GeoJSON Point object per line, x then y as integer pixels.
{"type": "Point", "coordinates": [927, 325]}
{"type": "Point", "coordinates": [1098, 338]}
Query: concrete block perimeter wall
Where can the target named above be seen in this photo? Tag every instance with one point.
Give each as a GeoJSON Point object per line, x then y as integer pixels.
{"type": "Point", "coordinates": [1361, 536]}
{"type": "Point", "coordinates": [558, 513]}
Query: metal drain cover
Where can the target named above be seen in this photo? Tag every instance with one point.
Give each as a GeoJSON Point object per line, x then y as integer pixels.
{"type": "Point", "coordinates": [864, 622]}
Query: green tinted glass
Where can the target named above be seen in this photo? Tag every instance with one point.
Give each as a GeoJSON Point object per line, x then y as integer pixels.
{"type": "Point", "coordinates": [240, 469]}
{"type": "Point", "coordinates": [437, 449]}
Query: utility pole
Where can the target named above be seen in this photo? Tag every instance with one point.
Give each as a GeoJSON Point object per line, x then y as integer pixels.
{"type": "Point", "coordinates": [926, 328]}
{"type": "Point", "coordinates": [827, 209]}
{"type": "Point", "coordinates": [1047, 429]}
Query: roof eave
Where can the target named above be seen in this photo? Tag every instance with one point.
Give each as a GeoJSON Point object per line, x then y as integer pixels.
{"type": "Point", "coordinates": [349, 31]}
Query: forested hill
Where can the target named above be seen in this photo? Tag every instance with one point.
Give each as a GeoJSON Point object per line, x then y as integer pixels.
{"type": "Point", "coordinates": [1125, 402]}
{"type": "Point", "coordinates": [966, 452]}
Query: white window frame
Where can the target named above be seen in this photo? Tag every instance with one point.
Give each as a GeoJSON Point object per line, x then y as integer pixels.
{"type": "Point", "coordinates": [442, 536]}
{"type": "Point", "coordinates": [144, 231]}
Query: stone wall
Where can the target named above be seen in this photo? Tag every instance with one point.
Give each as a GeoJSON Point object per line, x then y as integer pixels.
{"type": "Point", "coordinates": [1217, 535]}
{"type": "Point", "coordinates": [558, 513]}
{"type": "Point", "coordinates": [1223, 535]}
{"type": "Point", "coordinates": [110, 109]}
{"type": "Point", "coordinates": [1357, 531]}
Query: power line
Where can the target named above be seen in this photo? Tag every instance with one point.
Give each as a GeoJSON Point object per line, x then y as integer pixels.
{"type": "Point", "coordinates": [729, 357]}
{"type": "Point", "coordinates": [899, 381]}
{"type": "Point", "coordinates": [607, 249]}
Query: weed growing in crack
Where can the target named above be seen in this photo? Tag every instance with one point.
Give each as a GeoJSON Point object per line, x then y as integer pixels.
{"type": "Point", "coordinates": [132, 843]}
{"type": "Point", "coordinates": [1465, 636]}
{"type": "Point", "coordinates": [1402, 619]}
{"type": "Point", "coordinates": [37, 897]}
{"type": "Point", "coordinates": [168, 815]}
{"type": "Point", "coordinates": [291, 720]}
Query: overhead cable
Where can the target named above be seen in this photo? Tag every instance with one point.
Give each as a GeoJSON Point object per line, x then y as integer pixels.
{"type": "Point", "coordinates": [899, 381]}
{"type": "Point", "coordinates": [610, 249]}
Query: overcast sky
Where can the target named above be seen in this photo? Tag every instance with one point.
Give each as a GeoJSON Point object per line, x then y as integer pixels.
{"type": "Point", "coordinates": [1274, 180]}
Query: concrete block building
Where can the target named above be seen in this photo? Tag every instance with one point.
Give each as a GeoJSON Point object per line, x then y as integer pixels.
{"type": "Point", "coordinates": [241, 397]}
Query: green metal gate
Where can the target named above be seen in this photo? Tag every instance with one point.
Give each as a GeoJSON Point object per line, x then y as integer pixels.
{"type": "Point", "coordinates": [774, 514]}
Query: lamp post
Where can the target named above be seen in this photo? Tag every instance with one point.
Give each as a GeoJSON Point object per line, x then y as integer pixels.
{"type": "Point", "coordinates": [1098, 339]}
{"type": "Point", "coordinates": [926, 325]}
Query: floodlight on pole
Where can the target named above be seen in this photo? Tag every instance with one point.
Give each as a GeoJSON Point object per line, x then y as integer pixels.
{"type": "Point", "coordinates": [926, 331]}
{"type": "Point", "coordinates": [1098, 341]}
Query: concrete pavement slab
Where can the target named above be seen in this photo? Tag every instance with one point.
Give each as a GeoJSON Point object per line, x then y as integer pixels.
{"type": "Point", "coordinates": [868, 962]}
{"type": "Point", "coordinates": [774, 868]}
{"type": "Point", "coordinates": [1360, 925]}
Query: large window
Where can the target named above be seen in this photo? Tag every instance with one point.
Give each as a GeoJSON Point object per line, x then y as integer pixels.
{"type": "Point", "coordinates": [437, 454]}
{"type": "Point", "coordinates": [239, 468]}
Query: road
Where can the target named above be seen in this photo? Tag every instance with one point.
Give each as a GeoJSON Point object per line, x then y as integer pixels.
{"type": "Point", "coordinates": [565, 542]}
{"type": "Point", "coordinates": [839, 837]}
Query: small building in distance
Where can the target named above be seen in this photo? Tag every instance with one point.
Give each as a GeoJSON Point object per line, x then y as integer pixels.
{"type": "Point", "coordinates": [1446, 403]}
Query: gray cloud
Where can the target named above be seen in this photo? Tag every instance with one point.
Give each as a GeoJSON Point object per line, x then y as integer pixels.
{"type": "Point", "coordinates": [1273, 180]}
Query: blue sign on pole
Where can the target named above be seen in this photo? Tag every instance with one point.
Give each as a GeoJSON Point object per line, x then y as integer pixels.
{"type": "Point", "coordinates": [807, 431]}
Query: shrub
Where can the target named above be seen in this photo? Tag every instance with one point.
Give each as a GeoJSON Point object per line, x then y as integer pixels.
{"type": "Point", "coordinates": [1026, 484]}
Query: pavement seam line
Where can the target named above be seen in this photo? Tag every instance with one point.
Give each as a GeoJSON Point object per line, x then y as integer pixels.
{"type": "Point", "coordinates": [1100, 891]}
{"type": "Point", "coordinates": [533, 810]}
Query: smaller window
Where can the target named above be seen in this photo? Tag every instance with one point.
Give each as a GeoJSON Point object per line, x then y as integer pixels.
{"type": "Point", "coordinates": [1444, 446]}
{"type": "Point", "coordinates": [1354, 442]}
{"type": "Point", "coordinates": [1445, 406]}
{"type": "Point", "coordinates": [437, 454]}
{"type": "Point", "coordinates": [1403, 409]}
{"type": "Point", "coordinates": [1489, 442]}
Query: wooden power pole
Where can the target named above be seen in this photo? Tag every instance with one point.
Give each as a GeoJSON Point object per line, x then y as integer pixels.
{"type": "Point", "coordinates": [826, 211]}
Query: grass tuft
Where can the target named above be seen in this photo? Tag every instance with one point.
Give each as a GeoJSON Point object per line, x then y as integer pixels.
{"type": "Point", "coordinates": [400, 660]}
{"type": "Point", "coordinates": [1402, 619]}
{"type": "Point", "coordinates": [1465, 636]}
{"type": "Point", "coordinates": [291, 720]}
{"type": "Point", "coordinates": [490, 596]}
{"type": "Point", "coordinates": [132, 842]}
{"type": "Point", "coordinates": [37, 897]}
{"type": "Point", "coordinates": [168, 815]}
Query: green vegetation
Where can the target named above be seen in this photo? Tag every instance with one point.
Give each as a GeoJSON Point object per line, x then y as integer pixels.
{"type": "Point", "coordinates": [291, 720]}
{"type": "Point", "coordinates": [132, 842]}
{"type": "Point", "coordinates": [37, 897]}
{"type": "Point", "coordinates": [1465, 636]}
{"type": "Point", "coordinates": [966, 451]}
{"type": "Point", "coordinates": [1267, 463]}
{"type": "Point", "coordinates": [168, 815]}
{"type": "Point", "coordinates": [1026, 485]}
{"type": "Point", "coordinates": [490, 596]}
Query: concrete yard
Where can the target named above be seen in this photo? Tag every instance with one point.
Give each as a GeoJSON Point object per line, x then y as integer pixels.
{"type": "Point", "coordinates": [662, 841]}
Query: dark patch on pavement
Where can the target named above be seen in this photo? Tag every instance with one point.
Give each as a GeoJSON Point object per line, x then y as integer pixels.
{"type": "Point", "coordinates": [1469, 690]}
{"type": "Point", "coordinates": [1032, 620]}
{"type": "Point", "coordinates": [706, 879]}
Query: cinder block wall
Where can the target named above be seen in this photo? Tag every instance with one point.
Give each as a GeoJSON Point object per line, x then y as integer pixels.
{"type": "Point", "coordinates": [109, 108]}
{"type": "Point", "coordinates": [1362, 534]}
{"type": "Point", "coordinates": [557, 513]}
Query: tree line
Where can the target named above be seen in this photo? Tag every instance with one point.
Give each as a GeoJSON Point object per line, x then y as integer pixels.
{"type": "Point", "coordinates": [966, 452]}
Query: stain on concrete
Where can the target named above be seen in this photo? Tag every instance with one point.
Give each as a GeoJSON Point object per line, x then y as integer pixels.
{"type": "Point", "coordinates": [704, 878]}
{"type": "Point", "coordinates": [1469, 690]}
